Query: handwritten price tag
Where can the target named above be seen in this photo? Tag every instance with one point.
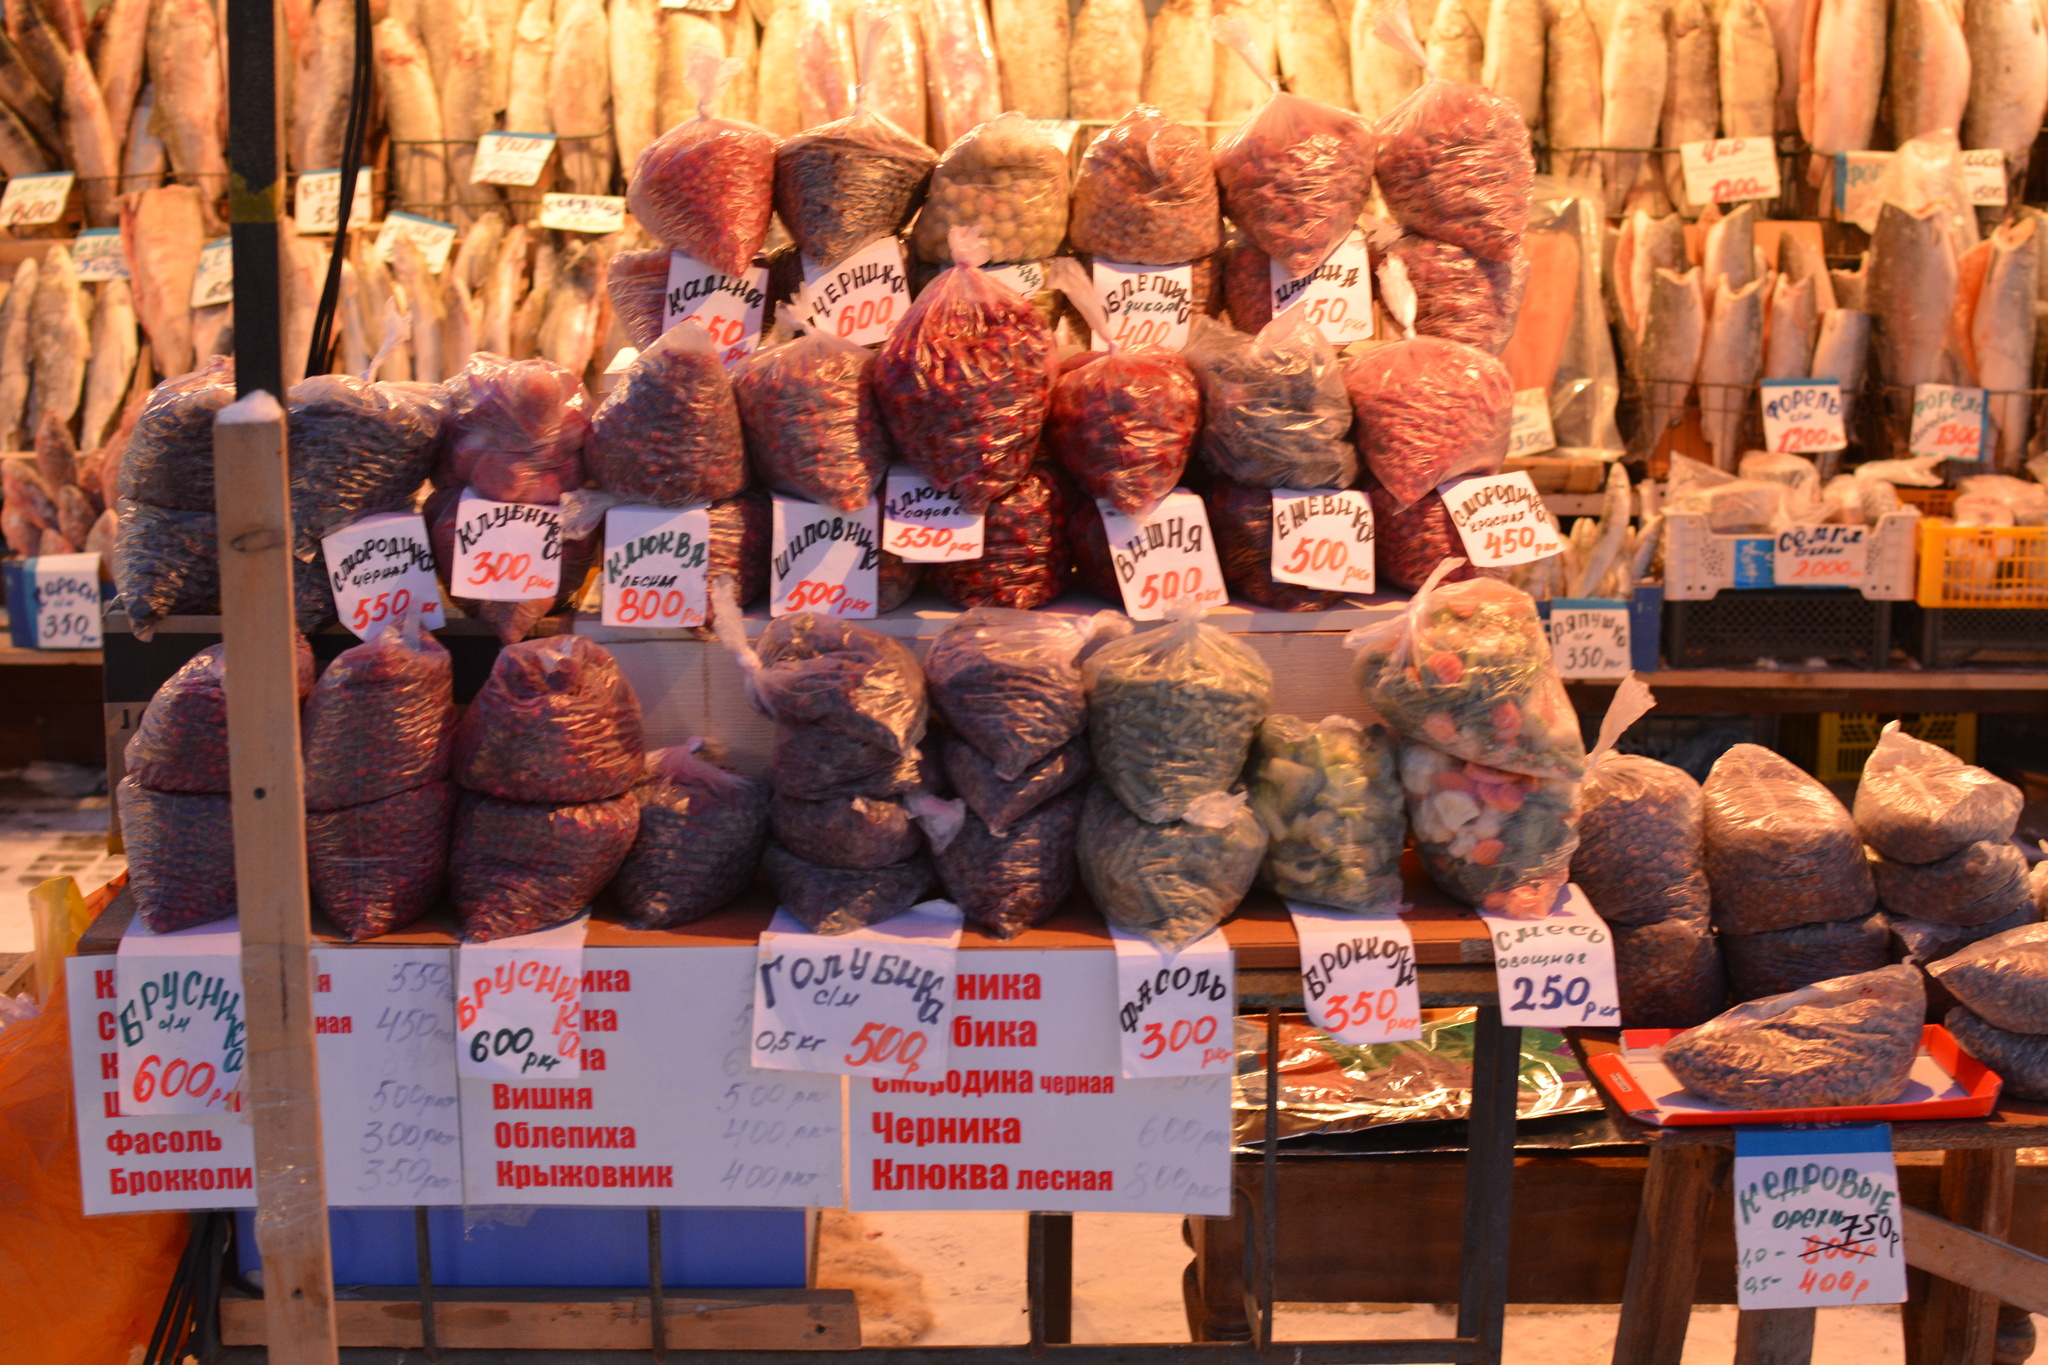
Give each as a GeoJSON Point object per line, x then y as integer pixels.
{"type": "Point", "coordinates": [519, 1004]}
{"type": "Point", "coordinates": [656, 567]}
{"type": "Point", "coordinates": [925, 525]}
{"type": "Point", "coordinates": [1820, 556]}
{"type": "Point", "coordinates": [96, 254]}
{"type": "Point", "coordinates": [214, 281]}
{"type": "Point", "coordinates": [1149, 307]}
{"type": "Point", "coordinates": [1323, 539]}
{"type": "Point", "coordinates": [874, 1002]}
{"type": "Point", "coordinates": [1060, 132]}
{"type": "Point", "coordinates": [1948, 421]}
{"type": "Point", "coordinates": [1501, 519]}
{"type": "Point", "coordinates": [31, 200]}
{"type": "Point", "coordinates": [729, 307]}
{"type": "Point", "coordinates": [860, 299]}
{"type": "Point", "coordinates": [1531, 432]}
{"type": "Point", "coordinates": [1026, 277]}
{"type": "Point", "coordinates": [317, 204]}
{"type": "Point", "coordinates": [66, 600]}
{"type": "Point", "coordinates": [1730, 170]}
{"type": "Point", "coordinates": [1173, 1009]}
{"type": "Point", "coordinates": [1857, 177]}
{"type": "Point", "coordinates": [1337, 294]}
{"type": "Point", "coordinates": [178, 1013]}
{"type": "Point", "coordinates": [433, 237]}
{"type": "Point", "coordinates": [593, 213]}
{"type": "Point", "coordinates": [1802, 416]}
{"type": "Point", "coordinates": [1164, 556]}
{"type": "Point", "coordinates": [1358, 974]}
{"type": "Point", "coordinates": [1589, 637]}
{"type": "Point", "coordinates": [1984, 177]}
{"type": "Point", "coordinates": [506, 551]}
{"type": "Point", "coordinates": [1557, 970]}
{"type": "Point", "coordinates": [824, 560]}
{"type": "Point", "coordinates": [382, 570]}
{"type": "Point", "coordinates": [1817, 1221]}
{"type": "Point", "coordinates": [700, 6]}
{"type": "Point", "coordinates": [511, 158]}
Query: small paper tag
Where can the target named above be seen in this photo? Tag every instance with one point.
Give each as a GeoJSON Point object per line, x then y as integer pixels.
{"type": "Point", "coordinates": [1358, 974]}
{"type": "Point", "coordinates": [506, 551]}
{"type": "Point", "coordinates": [1025, 277]}
{"type": "Point", "coordinates": [1948, 421]}
{"type": "Point", "coordinates": [32, 200]}
{"type": "Point", "coordinates": [1060, 132]}
{"type": "Point", "coordinates": [860, 299]}
{"type": "Point", "coordinates": [1817, 1216]}
{"type": "Point", "coordinates": [1984, 177]}
{"type": "Point", "coordinates": [317, 203]}
{"type": "Point", "coordinates": [1802, 415]}
{"type": "Point", "coordinates": [1558, 970]}
{"type": "Point", "coordinates": [924, 524]}
{"type": "Point", "coordinates": [1322, 538]}
{"type": "Point", "coordinates": [1857, 176]}
{"type": "Point", "coordinates": [824, 560]}
{"type": "Point", "coordinates": [214, 281]}
{"type": "Point", "coordinates": [96, 254]}
{"type": "Point", "coordinates": [1820, 557]}
{"type": "Point", "coordinates": [178, 1013]}
{"type": "Point", "coordinates": [874, 1002]}
{"type": "Point", "coordinates": [1531, 432]}
{"type": "Point", "coordinates": [1337, 294]}
{"type": "Point", "coordinates": [1164, 556]}
{"type": "Point", "coordinates": [1148, 307]}
{"type": "Point", "coordinates": [1731, 169]}
{"type": "Point", "coordinates": [433, 237]}
{"type": "Point", "coordinates": [519, 1005]}
{"type": "Point", "coordinates": [1501, 519]}
{"type": "Point", "coordinates": [1589, 637]}
{"type": "Point", "coordinates": [66, 592]}
{"type": "Point", "coordinates": [729, 307]}
{"type": "Point", "coordinates": [382, 569]}
{"type": "Point", "coordinates": [656, 567]}
{"type": "Point", "coordinates": [1173, 1009]}
{"type": "Point", "coordinates": [593, 213]}
{"type": "Point", "coordinates": [700, 6]}
{"type": "Point", "coordinates": [511, 158]}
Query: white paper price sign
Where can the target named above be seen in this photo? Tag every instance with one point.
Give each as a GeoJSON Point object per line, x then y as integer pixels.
{"type": "Point", "coordinates": [1173, 1009]}
{"type": "Point", "coordinates": [519, 1005]}
{"type": "Point", "coordinates": [860, 299]}
{"type": "Point", "coordinates": [1802, 416]}
{"type": "Point", "coordinates": [1323, 539]}
{"type": "Point", "coordinates": [511, 158]}
{"type": "Point", "coordinates": [656, 567]}
{"type": "Point", "coordinates": [1530, 432]}
{"type": "Point", "coordinates": [66, 592]}
{"type": "Point", "coordinates": [1984, 177]}
{"type": "Point", "coordinates": [926, 525]}
{"type": "Point", "coordinates": [729, 307]}
{"type": "Point", "coordinates": [1501, 519]}
{"type": "Point", "coordinates": [1817, 1218]}
{"type": "Point", "coordinates": [874, 1002]}
{"type": "Point", "coordinates": [1948, 421]}
{"type": "Point", "coordinates": [1589, 637]}
{"type": "Point", "coordinates": [1026, 277]}
{"type": "Point", "coordinates": [700, 6]}
{"type": "Point", "coordinates": [1821, 556]}
{"type": "Point", "coordinates": [1060, 132]}
{"type": "Point", "coordinates": [96, 254]}
{"type": "Point", "coordinates": [1163, 556]}
{"type": "Point", "coordinates": [1858, 177]}
{"type": "Point", "coordinates": [178, 1011]}
{"type": "Point", "coordinates": [214, 281]}
{"type": "Point", "coordinates": [381, 569]}
{"type": "Point", "coordinates": [430, 235]}
{"type": "Point", "coordinates": [317, 206]}
{"type": "Point", "coordinates": [1148, 307]}
{"type": "Point", "coordinates": [1337, 294]}
{"type": "Point", "coordinates": [31, 200]}
{"type": "Point", "coordinates": [1557, 970]}
{"type": "Point", "coordinates": [1358, 974]}
{"type": "Point", "coordinates": [506, 551]}
{"type": "Point", "coordinates": [595, 213]}
{"type": "Point", "coordinates": [1730, 170]}
{"type": "Point", "coordinates": [824, 560]}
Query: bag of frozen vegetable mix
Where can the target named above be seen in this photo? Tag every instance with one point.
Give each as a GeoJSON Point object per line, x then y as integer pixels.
{"type": "Point", "coordinates": [812, 426]}
{"type": "Point", "coordinates": [1275, 413]}
{"type": "Point", "coordinates": [842, 184]}
{"type": "Point", "coordinates": [1174, 881]}
{"type": "Point", "coordinates": [706, 187]}
{"type": "Point", "coordinates": [1780, 849]}
{"type": "Point", "coordinates": [669, 434]}
{"type": "Point", "coordinates": [1329, 796]}
{"type": "Point", "coordinates": [1010, 881]}
{"type": "Point", "coordinates": [1146, 193]}
{"type": "Point", "coordinates": [1500, 842]}
{"type": "Point", "coordinates": [700, 838]}
{"type": "Point", "coordinates": [1919, 803]}
{"type": "Point", "coordinates": [835, 900]}
{"type": "Point", "coordinates": [1006, 181]}
{"type": "Point", "coordinates": [555, 722]}
{"type": "Point", "coordinates": [1008, 683]}
{"type": "Point", "coordinates": [380, 721]}
{"type": "Point", "coordinates": [517, 868]}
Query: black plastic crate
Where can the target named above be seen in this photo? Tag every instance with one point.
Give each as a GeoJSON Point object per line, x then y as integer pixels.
{"type": "Point", "coordinates": [1942, 637]}
{"type": "Point", "coordinates": [1742, 625]}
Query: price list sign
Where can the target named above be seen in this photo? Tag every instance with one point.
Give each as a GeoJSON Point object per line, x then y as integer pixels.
{"type": "Point", "coordinates": [1336, 296]}
{"type": "Point", "coordinates": [381, 569]}
{"type": "Point", "coordinates": [506, 551]}
{"type": "Point", "coordinates": [64, 595]}
{"type": "Point", "coordinates": [1163, 556]}
{"type": "Point", "coordinates": [1821, 556]}
{"type": "Point", "coordinates": [1148, 307]}
{"type": "Point", "coordinates": [1174, 1007]}
{"type": "Point", "coordinates": [1817, 1220]}
{"type": "Point", "coordinates": [1589, 637]}
{"type": "Point", "coordinates": [1358, 974]}
{"type": "Point", "coordinates": [824, 560]}
{"type": "Point", "coordinates": [873, 1002]}
{"type": "Point", "coordinates": [1557, 970]}
{"type": "Point", "coordinates": [1323, 539]}
{"type": "Point", "coordinates": [1949, 421]}
{"type": "Point", "coordinates": [860, 299]}
{"type": "Point", "coordinates": [1501, 519]}
{"type": "Point", "coordinates": [1802, 416]}
{"type": "Point", "coordinates": [518, 1006]}
{"type": "Point", "coordinates": [656, 567]}
{"type": "Point", "coordinates": [927, 525]}
{"type": "Point", "coordinates": [1730, 169]}
{"type": "Point", "coordinates": [729, 307]}
{"type": "Point", "coordinates": [178, 1010]}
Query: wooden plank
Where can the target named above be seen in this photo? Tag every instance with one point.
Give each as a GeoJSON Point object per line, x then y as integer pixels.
{"type": "Point", "coordinates": [1959, 1325]}
{"type": "Point", "coordinates": [1774, 1336]}
{"type": "Point", "coordinates": [1664, 1261]}
{"type": "Point", "coordinates": [1955, 1253]}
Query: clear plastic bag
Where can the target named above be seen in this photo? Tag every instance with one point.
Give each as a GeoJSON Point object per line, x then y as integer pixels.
{"type": "Point", "coordinates": [842, 184]}
{"type": "Point", "coordinates": [2020, 1059]}
{"type": "Point", "coordinates": [1006, 181]}
{"type": "Point", "coordinates": [1454, 164]}
{"type": "Point", "coordinates": [700, 838]}
{"type": "Point", "coordinates": [669, 434]}
{"type": "Point", "coordinates": [813, 428]}
{"type": "Point", "coordinates": [830, 679]}
{"type": "Point", "coordinates": [1172, 713]}
{"type": "Point", "coordinates": [181, 743]}
{"type": "Point", "coordinates": [1274, 408]}
{"type": "Point", "coordinates": [2004, 979]}
{"type": "Point", "coordinates": [515, 430]}
{"type": "Point", "coordinates": [1983, 882]}
{"type": "Point", "coordinates": [1000, 802]}
{"type": "Point", "coordinates": [181, 855]}
{"type": "Point", "coordinates": [812, 763]}
{"type": "Point", "coordinates": [833, 900]}
{"type": "Point", "coordinates": [1174, 881]}
{"type": "Point", "coordinates": [1248, 285]}
{"type": "Point", "coordinates": [1780, 960]}
{"type": "Point", "coordinates": [1462, 297]}
{"type": "Point", "coordinates": [1780, 849]}
{"type": "Point", "coordinates": [514, 621]}
{"type": "Point", "coordinates": [380, 721]}
{"type": "Point", "coordinates": [1024, 559]}
{"type": "Point", "coordinates": [169, 460]}
{"type": "Point", "coordinates": [706, 187]}
{"type": "Point", "coordinates": [637, 284]}
{"type": "Point", "coordinates": [1411, 543]}
{"type": "Point", "coordinates": [1918, 803]}
{"type": "Point", "coordinates": [1146, 193]}
{"type": "Point", "coordinates": [357, 448]}
{"type": "Point", "coordinates": [166, 563]}
{"type": "Point", "coordinates": [1329, 797]}
{"type": "Point", "coordinates": [1089, 544]}
{"type": "Point", "coordinates": [1500, 842]}
{"type": "Point", "coordinates": [516, 868]}
{"type": "Point", "coordinates": [1846, 1041]}
{"type": "Point", "coordinates": [965, 380]}
{"type": "Point", "coordinates": [1642, 842]}
{"type": "Point", "coordinates": [1123, 423]}
{"type": "Point", "coordinates": [1467, 669]}
{"type": "Point", "coordinates": [1008, 882]}
{"type": "Point", "coordinates": [376, 867]}
{"type": "Point", "coordinates": [1925, 941]}
{"type": "Point", "coordinates": [1669, 971]}
{"type": "Point", "coordinates": [1009, 684]}
{"type": "Point", "coordinates": [556, 722]}
{"type": "Point", "coordinates": [861, 832]}
{"type": "Point", "coordinates": [740, 528]}
{"type": "Point", "coordinates": [1428, 410]}
{"type": "Point", "coordinates": [1241, 520]}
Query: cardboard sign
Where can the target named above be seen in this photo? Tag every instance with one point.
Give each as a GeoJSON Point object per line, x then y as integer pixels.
{"type": "Point", "coordinates": [925, 525]}
{"type": "Point", "coordinates": [1164, 556]}
{"type": "Point", "coordinates": [1322, 538]}
{"type": "Point", "coordinates": [1337, 294]}
{"type": "Point", "coordinates": [876, 1001]}
{"type": "Point", "coordinates": [1173, 1009]}
{"type": "Point", "coordinates": [1026, 277]}
{"type": "Point", "coordinates": [1148, 307]}
{"type": "Point", "coordinates": [729, 307]}
{"type": "Point", "coordinates": [178, 1012]}
{"type": "Point", "coordinates": [214, 282]}
{"type": "Point", "coordinates": [96, 254]}
{"type": "Point", "coordinates": [1984, 177]}
{"type": "Point", "coordinates": [1558, 970]}
{"type": "Point", "coordinates": [1802, 416]}
{"type": "Point", "coordinates": [519, 1005]}
{"type": "Point", "coordinates": [1358, 974]}
{"type": "Point", "coordinates": [824, 560]}
{"type": "Point", "coordinates": [32, 200]}
{"type": "Point", "coordinates": [593, 213]}
{"type": "Point", "coordinates": [1820, 556]}
{"type": "Point", "coordinates": [316, 205]}
{"type": "Point", "coordinates": [506, 551]}
{"type": "Point", "coordinates": [1857, 176]}
{"type": "Point", "coordinates": [862, 298]}
{"type": "Point", "coordinates": [511, 158]}
{"type": "Point", "coordinates": [1501, 518]}
{"type": "Point", "coordinates": [1530, 432]}
{"type": "Point", "coordinates": [656, 567]}
{"type": "Point", "coordinates": [1589, 637]}
{"type": "Point", "coordinates": [65, 596]}
{"type": "Point", "coordinates": [1060, 132]}
{"type": "Point", "coordinates": [1949, 422]}
{"type": "Point", "coordinates": [1817, 1217]}
{"type": "Point", "coordinates": [1731, 169]}
{"type": "Point", "coordinates": [433, 237]}
{"type": "Point", "coordinates": [381, 569]}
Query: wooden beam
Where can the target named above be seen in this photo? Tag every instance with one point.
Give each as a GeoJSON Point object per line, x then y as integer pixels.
{"type": "Point", "coordinates": [1985, 1264]}
{"type": "Point", "coordinates": [1774, 1336]}
{"type": "Point", "coordinates": [1664, 1260]}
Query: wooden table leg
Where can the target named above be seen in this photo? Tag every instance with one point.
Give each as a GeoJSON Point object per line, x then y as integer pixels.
{"type": "Point", "coordinates": [1774, 1336]}
{"type": "Point", "coordinates": [1959, 1326]}
{"type": "Point", "coordinates": [1664, 1261]}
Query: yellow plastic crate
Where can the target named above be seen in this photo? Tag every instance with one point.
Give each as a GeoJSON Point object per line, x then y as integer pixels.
{"type": "Point", "coordinates": [1842, 740]}
{"type": "Point", "coordinates": [1982, 566]}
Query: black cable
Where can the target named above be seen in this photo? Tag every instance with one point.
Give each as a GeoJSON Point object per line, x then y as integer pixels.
{"type": "Point", "coordinates": [319, 354]}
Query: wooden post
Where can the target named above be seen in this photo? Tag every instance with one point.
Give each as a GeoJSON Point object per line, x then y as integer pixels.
{"type": "Point", "coordinates": [1959, 1325]}
{"type": "Point", "coordinates": [1774, 1336]}
{"type": "Point", "coordinates": [1664, 1261]}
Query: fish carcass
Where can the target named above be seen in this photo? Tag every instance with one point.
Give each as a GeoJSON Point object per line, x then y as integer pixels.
{"type": "Point", "coordinates": [634, 33]}
{"type": "Point", "coordinates": [1031, 47]}
{"type": "Point", "coordinates": [144, 163]}
{"type": "Point", "coordinates": [412, 111]}
{"type": "Point", "coordinates": [115, 346]}
{"type": "Point", "coordinates": [1929, 81]}
{"type": "Point", "coordinates": [163, 230]}
{"type": "Point", "coordinates": [2002, 330]}
{"type": "Point", "coordinates": [1674, 332]}
{"type": "Point", "coordinates": [1455, 45]}
{"type": "Point", "coordinates": [1239, 88]}
{"type": "Point", "coordinates": [568, 331]}
{"type": "Point", "coordinates": [57, 339]}
{"type": "Point", "coordinates": [1841, 75]}
{"type": "Point", "coordinates": [25, 95]}
{"type": "Point", "coordinates": [533, 51]}
{"type": "Point", "coordinates": [120, 56]}
{"type": "Point", "coordinates": [1749, 71]}
{"type": "Point", "coordinates": [1310, 38]}
{"type": "Point", "coordinates": [1634, 72]}
{"type": "Point", "coordinates": [94, 145]}
{"type": "Point", "coordinates": [1789, 328]}
{"type": "Point", "coordinates": [1730, 359]}
{"type": "Point", "coordinates": [1692, 97]}
{"type": "Point", "coordinates": [20, 152]}
{"type": "Point", "coordinates": [502, 292]}
{"type": "Point", "coordinates": [1382, 75]}
{"type": "Point", "coordinates": [1910, 289]}
{"type": "Point", "coordinates": [579, 94]}
{"type": "Point", "coordinates": [1105, 63]}
{"type": "Point", "coordinates": [14, 353]}
{"type": "Point", "coordinates": [465, 89]}
{"type": "Point", "coordinates": [1513, 63]}
{"type": "Point", "coordinates": [1842, 353]}
{"type": "Point", "coordinates": [320, 87]}
{"type": "Point", "coordinates": [428, 306]}
{"type": "Point", "coordinates": [2008, 42]}
{"type": "Point", "coordinates": [1730, 250]}
{"type": "Point", "coordinates": [189, 110]}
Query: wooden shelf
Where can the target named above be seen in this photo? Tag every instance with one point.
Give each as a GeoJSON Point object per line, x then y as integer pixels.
{"type": "Point", "coordinates": [11, 657]}
{"type": "Point", "coordinates": [1686, 691]}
